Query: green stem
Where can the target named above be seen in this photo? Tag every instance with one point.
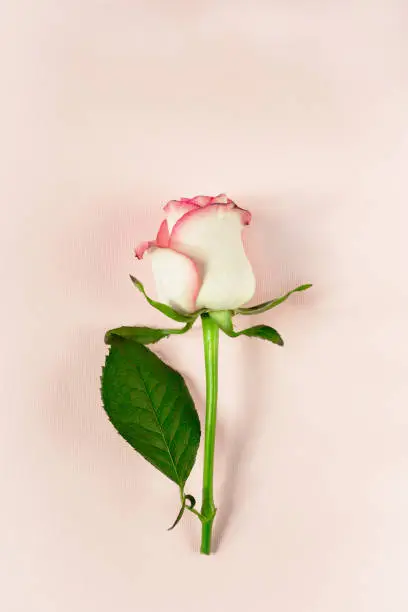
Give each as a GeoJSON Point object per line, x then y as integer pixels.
{"type": "Point", "coordinates": [210, 336]}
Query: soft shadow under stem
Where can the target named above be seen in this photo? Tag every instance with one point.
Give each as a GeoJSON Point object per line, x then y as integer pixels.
{"type": "Point", "coordinates": [239, 444]}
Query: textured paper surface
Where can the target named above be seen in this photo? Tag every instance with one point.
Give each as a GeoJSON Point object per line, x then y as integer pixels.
{"type": "Point", "coordinates": [299, 111]}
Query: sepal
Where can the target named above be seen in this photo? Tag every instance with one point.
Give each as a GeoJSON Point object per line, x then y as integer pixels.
{"type": "Point", "coordinates": [264, 306]}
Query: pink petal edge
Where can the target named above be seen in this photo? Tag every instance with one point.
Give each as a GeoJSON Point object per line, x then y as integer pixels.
{"type": "Point", "coordinates": [141, 249]}
{"type": "Point", "coordinates": [162, 241]}
{"type": "Point", "coordinates": [182, 203]}
{"type": "Point", "coordinates": [202, 200]}
{"type": "Point", "coordinates": [221, 199]}
{"type": "Point", "coordinates": [163, 236]}
{"type": "Point", "coordinates": [199, 201]}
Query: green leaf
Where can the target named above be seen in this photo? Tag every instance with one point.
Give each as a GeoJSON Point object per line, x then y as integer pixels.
{"type": "Point", "coordinates": [271, 303]}
{"type": "Point", "coordinates": [144, 335]}
{"type": "Point", "coordinates": [263, 331]}
{"type": "Point", "coordinates": [167, 310]}
{"type": "Point", "coordinates": [150, 406]}
{"type": "Point", "coordinates": [223, 318]}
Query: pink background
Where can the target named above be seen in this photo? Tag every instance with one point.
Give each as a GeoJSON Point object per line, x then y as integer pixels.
{"type": "Point", "coordinates": [299, 110]}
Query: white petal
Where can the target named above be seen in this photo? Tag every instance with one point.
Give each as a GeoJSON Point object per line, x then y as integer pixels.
{"type": "Point", "coordinates": [212, 236]}
{"type": "Point", "coordinates": [177, 279]}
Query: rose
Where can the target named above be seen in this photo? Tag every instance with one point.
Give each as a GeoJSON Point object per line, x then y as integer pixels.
{"type": "Point", "coordinates": [201, 272]}
{"type": "Point", "coordinates": [198, 258]}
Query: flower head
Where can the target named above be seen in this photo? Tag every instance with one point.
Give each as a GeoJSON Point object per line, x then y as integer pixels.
{"type": "Point", "coordinates": [198, 258]}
